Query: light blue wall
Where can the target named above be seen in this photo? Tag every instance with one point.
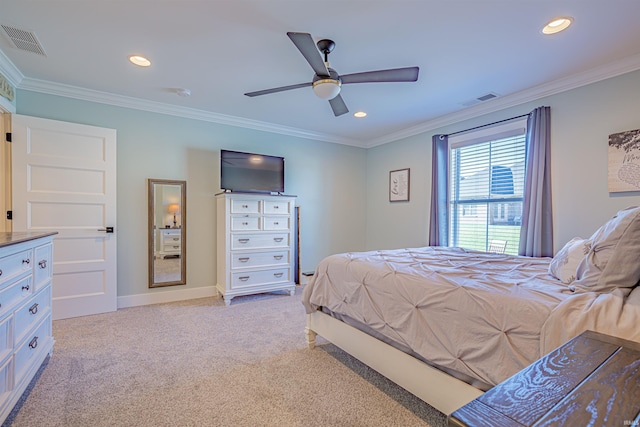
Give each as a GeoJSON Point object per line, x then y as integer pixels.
{"type": "Point", "coordinates": [581, 121]}
{"type": "Point", "coordinates": [327, 178]}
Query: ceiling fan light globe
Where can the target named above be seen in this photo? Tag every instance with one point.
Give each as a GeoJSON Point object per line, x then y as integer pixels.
{"type": "Point", "coordinates": [327, 88]}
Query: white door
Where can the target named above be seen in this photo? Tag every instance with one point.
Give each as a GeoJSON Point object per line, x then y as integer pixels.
{"type": "Point", "coordinates": [64, 180]}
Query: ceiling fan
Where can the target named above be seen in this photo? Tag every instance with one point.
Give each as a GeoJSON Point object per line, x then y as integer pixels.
{"type": "Point", "coordinates": [327, 82]}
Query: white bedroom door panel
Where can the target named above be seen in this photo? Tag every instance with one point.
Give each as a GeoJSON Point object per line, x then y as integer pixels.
{"type": "Point", "coordinates": [64, 180]}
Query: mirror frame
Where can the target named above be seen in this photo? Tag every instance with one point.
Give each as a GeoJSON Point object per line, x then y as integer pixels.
{"type": "Point", "coordinates": [152, 231]}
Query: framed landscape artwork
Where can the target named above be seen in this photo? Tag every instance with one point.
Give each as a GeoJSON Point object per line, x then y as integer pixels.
{"type": "Point", "coordinates": [624, 161]}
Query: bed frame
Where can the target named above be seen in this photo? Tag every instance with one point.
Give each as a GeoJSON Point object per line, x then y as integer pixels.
{"type": "Point", "coordinates": [444, 392]}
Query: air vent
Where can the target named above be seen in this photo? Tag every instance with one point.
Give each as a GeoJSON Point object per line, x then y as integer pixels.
{"type": "Point", "coordinates": [480, 99]}
{"type": "Point", "coordinates": [23, 40]}
{"type": "Point", "coordinates": [487, 97]}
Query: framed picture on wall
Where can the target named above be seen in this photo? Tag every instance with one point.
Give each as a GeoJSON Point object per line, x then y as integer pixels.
{"type": "Point", "coordinates": [399, 185]}
{"type": "Point", "coordinates": [624, 161]}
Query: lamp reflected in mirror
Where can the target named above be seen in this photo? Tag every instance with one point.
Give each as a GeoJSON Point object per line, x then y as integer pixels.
{"type": "Point", "coordinates": [174, 208]}
{"type": "Point", "coordinates": [167, 232]}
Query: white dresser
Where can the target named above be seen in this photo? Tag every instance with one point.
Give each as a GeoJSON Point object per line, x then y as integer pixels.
{"type": "Point", "coordinates": [25, 312]}
{"type": "Point", "coordinates": [170, 240]}
{"type": "Point", "coordinates": [255, 244]}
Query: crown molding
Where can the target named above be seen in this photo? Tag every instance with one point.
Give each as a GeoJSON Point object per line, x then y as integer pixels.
{"type": "Point", "coordinates": [593, 75]}
{"type": "Point", "coordinates": [10, 71]}
{"type": "Point", "coordinates": [83, 94]}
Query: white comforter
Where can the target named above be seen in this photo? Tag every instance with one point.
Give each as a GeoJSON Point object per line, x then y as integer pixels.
{"type": "Point", "coordinates": [484, 315]}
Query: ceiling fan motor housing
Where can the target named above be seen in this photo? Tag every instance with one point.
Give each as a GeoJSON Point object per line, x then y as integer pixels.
{"type": "Point", "coordinates": [327, 87]}
{"type": "Point", "coordinates": [333, 75]}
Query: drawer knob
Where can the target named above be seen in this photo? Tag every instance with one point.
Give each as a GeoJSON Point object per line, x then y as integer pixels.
{"type": "Point", "coordinates": [245, 223]}
{"type": "Point", "coordinates": [276, 223]}
{"type": "Point", "coordinates": [278, 239]}
{"type": "Point", "coordinates": [245, 206]}
{"type": "Point", "coordinates": [34, 342]}
{"type": "Point", "coordinates": [25, 288]}
{"type": "Point", "coordinates": [175, 238]}
{"type": "Point", "coordinates": [278, 274]}
{"type": "Point", "coordinates": [0, 272]}
{"type": "Point", "coordinates": [276, 207]}
{"type": "Point", "coordinates": [278, 257]}
{"type": "Point", "coordinates": [243, 278]}
{"type": "Point", "coordinates": [243, 240]}
{"type": "Point", "coordinates": [245, 259]}
{"type": "Point", "coordinates": [43, 264]}
{"type": "Point", "coordinates": [33, 309]}
{"type": "Point", "coordinates": [26, 261]}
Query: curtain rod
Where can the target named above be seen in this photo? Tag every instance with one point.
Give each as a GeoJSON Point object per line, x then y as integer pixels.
{"type": "Point", "coordinates": [483, 126]}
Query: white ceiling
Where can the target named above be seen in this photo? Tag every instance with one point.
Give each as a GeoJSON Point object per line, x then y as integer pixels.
{"type": "Point", "coordinates": [221, 49]}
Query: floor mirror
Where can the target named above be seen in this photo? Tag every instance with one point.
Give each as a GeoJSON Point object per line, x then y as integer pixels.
{"type": "Point", "coordinates": [167, 232]}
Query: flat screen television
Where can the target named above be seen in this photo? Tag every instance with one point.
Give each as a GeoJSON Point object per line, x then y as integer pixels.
{"type": "Point", "coordinates": [250, 172]}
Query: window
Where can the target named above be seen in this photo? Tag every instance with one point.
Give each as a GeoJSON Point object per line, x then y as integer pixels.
{"type": "Point", "coordinates": [486, 184]}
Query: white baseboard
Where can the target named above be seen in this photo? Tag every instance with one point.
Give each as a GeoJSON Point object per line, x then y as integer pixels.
{"type": "Point", "coordinates": [165, 296]}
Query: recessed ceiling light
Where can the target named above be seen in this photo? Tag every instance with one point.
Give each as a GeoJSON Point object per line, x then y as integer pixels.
{"type": "Point", "coordinates": [359, 114]}
{"type": "Point", "coordinates": [557, 24]}
{"type": "Point", "coordinates": [140, 61]}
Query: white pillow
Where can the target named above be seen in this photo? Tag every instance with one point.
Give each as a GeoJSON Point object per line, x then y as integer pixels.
{"type": "Point", "coordinates": [563, 266]}
{"type": "Point", "coordinates": [617, 243]}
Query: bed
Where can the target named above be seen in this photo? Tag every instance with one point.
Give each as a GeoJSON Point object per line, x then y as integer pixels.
{"type": "Point", "coordinates": [447, 323]}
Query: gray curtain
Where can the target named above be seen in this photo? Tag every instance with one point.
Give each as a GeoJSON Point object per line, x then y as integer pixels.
{"type": "Point", "coordinates": [536, 234]}
{"type": "Point", "coordinates": [439, 220]}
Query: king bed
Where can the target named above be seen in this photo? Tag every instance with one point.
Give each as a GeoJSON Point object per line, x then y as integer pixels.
{"type": "Point", "coordinates": [447, 323]}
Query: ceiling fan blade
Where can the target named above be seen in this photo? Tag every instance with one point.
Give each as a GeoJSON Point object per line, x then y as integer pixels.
{"type": "Point", "coordinates": [338, 106]}
{"type": "Point", "coordinates": [277, 89]}
{"type": "Point", "coordinates": [409, 74]}
{"type": "Point", "coordinates": [309, 50]}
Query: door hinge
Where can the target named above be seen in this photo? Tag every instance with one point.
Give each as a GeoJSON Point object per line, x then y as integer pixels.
{"type": "Point", "coordinates": [7, 137]}
{"type": "Point", "coordinates": [9, 214]}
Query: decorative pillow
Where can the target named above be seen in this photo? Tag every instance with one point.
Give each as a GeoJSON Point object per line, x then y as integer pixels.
{"type": "Point", "coordinates": [612, 261]}
{"type": "Point", "coordinates": [563, 266]}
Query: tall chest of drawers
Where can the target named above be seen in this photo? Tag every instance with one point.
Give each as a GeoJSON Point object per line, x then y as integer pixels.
{"type": "Point", "coordinates": [255, 244]}
{"type": "Point", "coordinates": [25, 312]}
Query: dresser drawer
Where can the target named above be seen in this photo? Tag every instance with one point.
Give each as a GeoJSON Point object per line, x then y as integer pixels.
{"type": "Point", "coordinates": [259, 259]}
{"type": "Point", "coordinates": [172, 240]}
{"type": "Point", "coordinates": [245, 206]}
{"type": "Point", "coordinates": [30, 313]}
{"type": "Point", "coordinates": [171, 234]}
{"type": "Point", "coordinates": [13, 294]}
{"type": "Point", "coordinates": [27, 350]}
{"type": "Point", "coordinates": [245, 223]}
{"type": "Point", "coordinates": [6, 338]}
{"type": "Point", "coordinates": [277, 207]}
{"type": "Point", "coordinates": [42, 268]}
{"type": "Point", "coordinates": [15, 264]}
{"type": "Point", "coordinates": [257, 241]}
{"type": "Point", "coordinates": [263, 277]}
{"type": "Point", "coordinates": [171, 248]}
{"type": "Point", "coordinates": [276, 223]}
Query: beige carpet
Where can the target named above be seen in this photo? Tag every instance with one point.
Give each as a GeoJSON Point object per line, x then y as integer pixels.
{"type": "Point", "coordinates": [199, 363]}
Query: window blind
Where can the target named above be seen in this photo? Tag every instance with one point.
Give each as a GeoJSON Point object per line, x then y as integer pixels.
{"type": "Point", "coordinates": [486, 192]}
